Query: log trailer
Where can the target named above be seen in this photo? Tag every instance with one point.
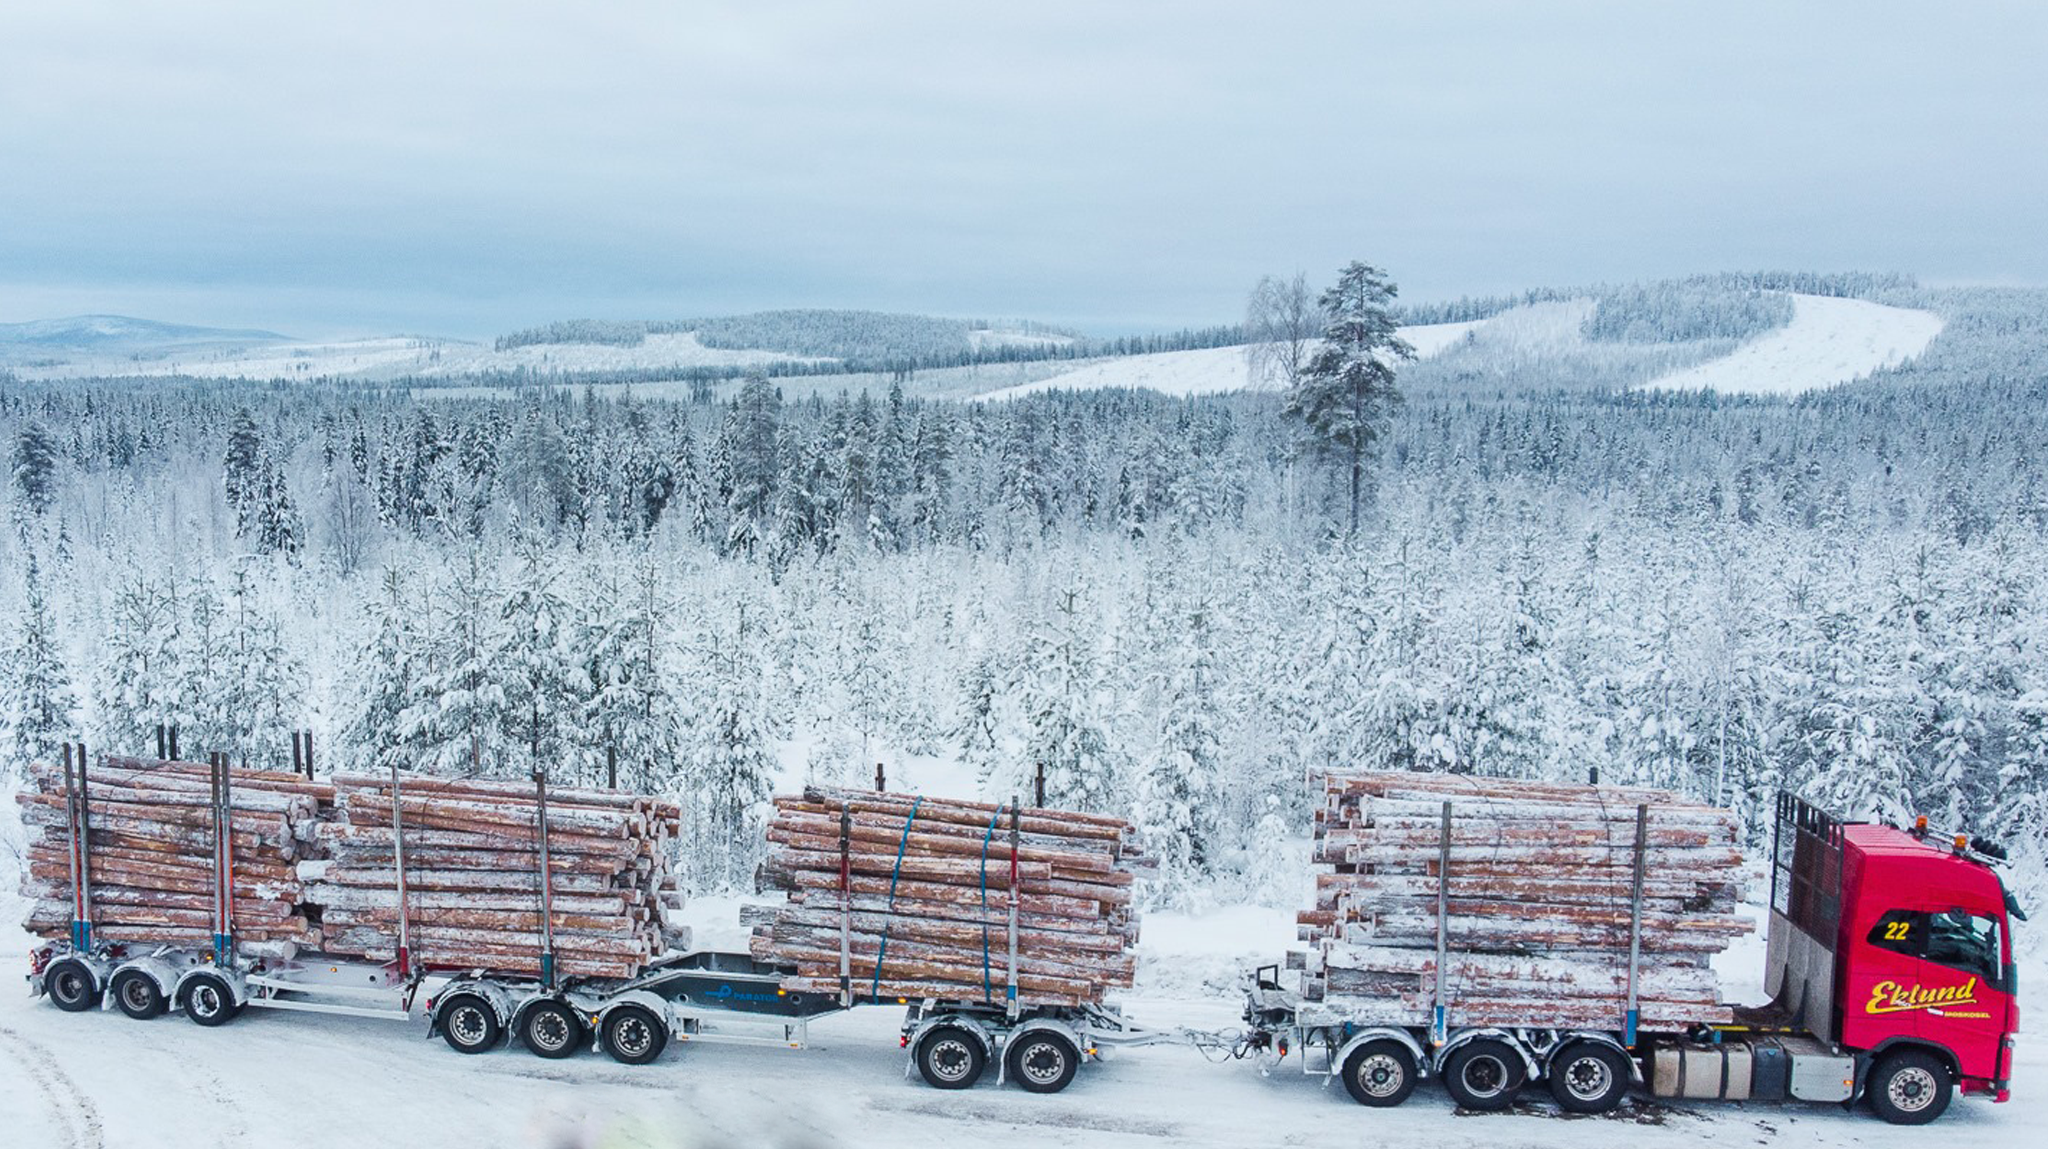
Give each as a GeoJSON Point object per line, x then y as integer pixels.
{"type": "Point", "coordinates": [1889, 964]}
{"type": "Point", "coordinates": [701, 996]}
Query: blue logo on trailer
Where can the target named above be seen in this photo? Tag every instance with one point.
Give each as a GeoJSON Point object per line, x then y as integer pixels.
{"type": "Point", "coordinates": [725, 992]}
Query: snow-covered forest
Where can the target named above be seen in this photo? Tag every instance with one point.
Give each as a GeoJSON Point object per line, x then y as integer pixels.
{"type": "Point", "coordinates": [1153, 598]}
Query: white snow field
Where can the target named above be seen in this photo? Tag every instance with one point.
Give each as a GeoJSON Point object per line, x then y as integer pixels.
{"type": "Point", "coordinates": [1206, 372]}
{"type": "Point", "coordinates": [1829, 341]}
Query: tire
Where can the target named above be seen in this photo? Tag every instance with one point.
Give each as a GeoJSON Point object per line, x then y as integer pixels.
{"type": "Point", "coordinates": [1380, 1074]}
{"type": "Point", "coordinates": [137, 995]}
{"type": "Point", "coordinates": [1910, 1088]}
{"type": "Point", "coordinates": [1041, 1061]}
{"type": "Point", "coordinates": [71, 986]}
{"type": "Point", "coordinates": [469, 1024]}
{"type": "Point", "coordinates": [950, 1057]}
{"type": "Point", "coordinates": [1484, 1075]}
{"type": "Point", "coordinates": [551, 1029]}
{"type": "Point", "coordinates": [1588, 1077]}
{"type": "Point", "coordinates": [207, 1000]}
{"type": "Point", "coordinates": [633, 1035]}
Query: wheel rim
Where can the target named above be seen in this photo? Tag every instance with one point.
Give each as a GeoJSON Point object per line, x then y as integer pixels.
{"type": "Point", "coordinates": [631, 1036]}
{"type": "Point", "coordinates": [1380, 1075]}
{"type": "Point", "coordinates": [137, 994]}
{"type": "Point", "coordinates": [1043, 1062]}
{"type": "Point", "coordinates": [949, 1059]}
{"type": "Point", "coordinates": [205, 1000]}
{"type": "Point", "coordinates": [549, 1029]}
{"type": "Point", "coordinates": [1588, 1078]}
{"type": "Point", "coordinates": [467, 1024]}
{"type": "Point", "coordinates": [67, 985]}
{"type": "Point", "coordinates": [1485, 1076]}
{"type": "Point", "coordinates": [1911, 1089]}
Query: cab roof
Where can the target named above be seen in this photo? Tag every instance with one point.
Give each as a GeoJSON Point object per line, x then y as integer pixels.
{"type": "Point", "coordinates": [1925, 865]}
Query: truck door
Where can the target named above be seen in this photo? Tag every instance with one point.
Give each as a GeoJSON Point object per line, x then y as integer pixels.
{"type": "Point", "coordinates": [1938, 975]}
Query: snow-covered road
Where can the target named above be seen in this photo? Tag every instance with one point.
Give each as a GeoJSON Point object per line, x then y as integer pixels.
{"type": "Point", "coordinates": [99, 1079]}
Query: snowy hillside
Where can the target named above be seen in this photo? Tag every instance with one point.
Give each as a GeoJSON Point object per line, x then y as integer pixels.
{"type": "Point", "coordinates": [1209, 371]}
{"type": "Point", "coordinates": [1830, 340]}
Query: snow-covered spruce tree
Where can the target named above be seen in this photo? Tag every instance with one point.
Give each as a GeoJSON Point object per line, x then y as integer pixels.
{"type": "Point", "coordinates": [387, 669]}
{"type": "Point", "coordinates": [36, 700]}
{"type": "Point", "coordinates": [731, 764]}
{"type": "Point", "coordinates": [978, 719]}
{"type": "Point", "coordinates": [33, 468]}
{"type": "Point", "coordinates": [751, 451]}
{"type": "Point", "coordinates": [546, 683]}
{"type": "Point", "coordinates": [1066, 729]}
{"type": "Point", "coordinates": [138, 684]}
{"type": "Point", "coordinates": [459, 713]}
{"type": "Point", "coordinates": [1176, 791]}
{"type": "Point", "coordinates": [205, 713]}
{"type": "Point", "coordinates": [242, 469]}
{"type": "Point", "coordinates": [633, 718]}
{"type": "Point", "coordinates": [1850, 753]}
{"type": "Point", "coordinates": [262, 683]}
{"type": "Point", "coordinates": [1346, 394]}
{"type": "Point", "coordinates": [277, 527]}
{"type": "Point", "coordinates": [537, 471]}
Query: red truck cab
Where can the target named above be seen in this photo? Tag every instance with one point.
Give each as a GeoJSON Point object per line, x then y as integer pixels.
{"type": "Point", "coordinates": [1925, 955]}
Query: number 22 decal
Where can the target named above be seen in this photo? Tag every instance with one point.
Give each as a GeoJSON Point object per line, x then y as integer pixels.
{"type": "Point", "coordinates": [1897, 931]}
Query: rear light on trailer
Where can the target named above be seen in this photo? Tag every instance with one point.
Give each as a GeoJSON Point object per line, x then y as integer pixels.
{"type": "Point", "coordinates": [903, 1042]}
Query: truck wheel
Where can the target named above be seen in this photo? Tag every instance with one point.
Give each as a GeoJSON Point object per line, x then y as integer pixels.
{"type": "Point", "coordinates": [949, 1057]}
{"type": "Point", "coordinates": [1910, 1088]}
{"type": "Point", "coordinates": [137, 994]}
{"type": "Point", "coordinates": [207, 1000]}
{"type": "Point", "coordinates": [1588, 1077]}
{"type": "Point", "coordinates": [1042, 1061]}
{"type": "Point", "coordinates": [1380, 1073]}
{"type": "Point", "coordinates": [1484, 1074]}
{"type": "Point", "coordinates": [71, 986]}
{"type": "Point", "coordinates": [469, 1024]}
{"type": "Point", "coordinates": [551, 1029]}
{"type": "Point", "coordinates": [633, 1035]}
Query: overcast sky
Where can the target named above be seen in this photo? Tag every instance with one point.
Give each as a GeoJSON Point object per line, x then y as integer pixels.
{"type": "Point", "coordinates": [453, 168]}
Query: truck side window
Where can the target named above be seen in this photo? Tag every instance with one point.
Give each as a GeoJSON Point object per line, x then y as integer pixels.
{"type": "Point", "coordinates": [1966, 941]}
{"type": "Point", "coordinates": [1901, 931]}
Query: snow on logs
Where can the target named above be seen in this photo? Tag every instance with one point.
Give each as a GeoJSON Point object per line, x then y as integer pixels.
{"type": "Point", "coordinates": [1537, 883]}
{"type": "Point", "coordinates": [315, 867]}
{"type": "Point", "coordinates": [151, 843]}
{"type": "Point", "coordinates": [473, 875]}
{"type": "Point", "coordinates": [921, 894]}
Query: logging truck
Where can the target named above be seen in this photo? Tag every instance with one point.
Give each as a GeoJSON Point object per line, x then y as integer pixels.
{"type": "Point", "coordinates": [1888, 961]}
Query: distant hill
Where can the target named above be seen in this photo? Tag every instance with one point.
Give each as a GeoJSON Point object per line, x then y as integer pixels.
{"type": "Point", "coordinates": [816, 333]}
{"type": "Point", "coordinates": [103, 333]}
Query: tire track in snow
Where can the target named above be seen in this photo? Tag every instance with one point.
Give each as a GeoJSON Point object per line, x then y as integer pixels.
{"type": "Point", "coordinates": [76, 1115]}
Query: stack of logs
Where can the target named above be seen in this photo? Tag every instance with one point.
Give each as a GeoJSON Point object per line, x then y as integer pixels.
{"type": "Point", "coordinates": [1538, 884]}
{"type": "Point", "coordinates": [473, 875]}
{"type": "Point", "coordinates": [927, 896]}
{"type": "Point", "coordinates": [152, 854]}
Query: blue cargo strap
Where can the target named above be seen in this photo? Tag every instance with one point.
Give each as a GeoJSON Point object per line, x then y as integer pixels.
{"type": "Point", "coordinates": [882, 952]}
{"type": "Point", "coordinates": [988, 992]}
